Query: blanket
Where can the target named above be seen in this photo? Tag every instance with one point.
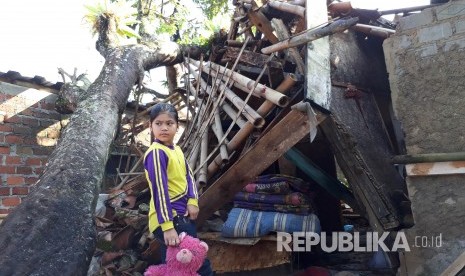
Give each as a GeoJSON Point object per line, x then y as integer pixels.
{"type": "Point", "coordinates": [294, 199]}
{"type": "Point", "coordinates": [301, 209]}
{"type": "Point", "coordinates": [246, 223]}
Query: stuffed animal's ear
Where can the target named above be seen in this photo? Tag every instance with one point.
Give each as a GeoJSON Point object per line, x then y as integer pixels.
{"type": "Point", "coordinates": [204, 245]}
{"type": "Point", "coordinates": [182, 235]}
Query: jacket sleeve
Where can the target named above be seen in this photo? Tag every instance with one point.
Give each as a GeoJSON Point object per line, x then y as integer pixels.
{"type": "Point", "coordinates": [192, 194]}
{"type": "Point", "coordinates": [156, 164]}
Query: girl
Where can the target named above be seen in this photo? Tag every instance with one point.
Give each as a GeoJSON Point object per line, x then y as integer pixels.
{"type": "Point", "coordinates": [174, 201]}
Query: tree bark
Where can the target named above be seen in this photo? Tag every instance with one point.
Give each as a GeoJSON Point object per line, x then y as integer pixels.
{"type": "Point", "coordinates": [52, 232]}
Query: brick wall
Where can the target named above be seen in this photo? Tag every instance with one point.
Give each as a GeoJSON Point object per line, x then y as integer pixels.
{"type": "Point", "coordinates": [29, 130]}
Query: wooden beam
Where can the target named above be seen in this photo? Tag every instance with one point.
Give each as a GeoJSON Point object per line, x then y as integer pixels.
{"type": "Point", "coordinates": [436, 168]}
{"type": "Point", "coordinates": [379, 210]}
{"type": "Point", "coordinates": [260, 156]}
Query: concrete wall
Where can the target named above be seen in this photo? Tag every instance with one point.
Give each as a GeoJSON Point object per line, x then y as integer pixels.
{"type": "Point", "coordinates": [426, 66]}
{"type": "Point", "coordinates": [29, 130]}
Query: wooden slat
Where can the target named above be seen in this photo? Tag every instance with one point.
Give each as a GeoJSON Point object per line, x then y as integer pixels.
{"type": "Point", "coordinates": [436, 168]}
{"type": "Point", "coordinates": [455, 267]}
{"type": "Point", "coordinates": [267, 150]}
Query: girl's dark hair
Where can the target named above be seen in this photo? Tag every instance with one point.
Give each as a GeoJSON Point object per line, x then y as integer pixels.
{"type": "Point", "coordinates": [163, 108]}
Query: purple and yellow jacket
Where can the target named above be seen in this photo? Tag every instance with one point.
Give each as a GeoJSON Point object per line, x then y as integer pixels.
{"type": "Point", "coordinates": [171, 183]}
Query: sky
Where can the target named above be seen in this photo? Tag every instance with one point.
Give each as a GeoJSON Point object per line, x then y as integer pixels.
{"type": "Point", "coordinates": [37, 37]}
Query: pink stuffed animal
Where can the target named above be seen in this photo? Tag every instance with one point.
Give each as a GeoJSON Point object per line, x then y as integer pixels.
{"type": "Point", "coordinates": [182, 260]}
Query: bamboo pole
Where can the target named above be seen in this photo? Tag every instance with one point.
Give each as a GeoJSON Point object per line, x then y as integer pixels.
{"type": "Point", "coordinates": [428, 158]}
{"type": "Point", "coordinates": [374, 30]}
{"type": "Point", "coordinates": [167, 99]}
{"type": "Point", "coordinates": [297, 2]}
{"type": "Point", "coordinates": [283, 33]}
{"type": "Point", "coordinates": [310, 35]}
{"type": "Point", "coordinates": [220, 99]}
{"type": "Point", "coordinates": [287, 7]}
{"type": "Point", "coordinates": [232, 114]}
{"type": "Point", "coordinates": [260, 90]}
{"type": "Point", "coordinates": [263, 24]}
{"type": "Point", "coordinates": [194, 156]}
{"type": "Point", "coordinates": [248, 112]}
{"type": "Point", "coordinates": [235, 43]}
{"type": "Point", "coordinates": [245, 131]}
{"type": "Point", "coordinates": [239, 112]}
{"type": "Point", "coordinates": [218, 131]}
{"type": "Point", "coordinates": [407, 10]}
{"type": "Point", "coordinates": [203, 157]}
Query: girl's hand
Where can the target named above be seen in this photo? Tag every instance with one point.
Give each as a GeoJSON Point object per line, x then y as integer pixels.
{"type": "Point", "coordinates": [192, 211]}
{"type": "Point", "coordinates": [171, 237]}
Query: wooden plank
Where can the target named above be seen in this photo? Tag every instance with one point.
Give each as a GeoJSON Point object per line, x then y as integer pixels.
{"type": "Point", "coordinates": [436, 168]}
{"type": "Point", "coordinates": [226, 257]}
{"type": "Point", "coordinates": [260, 156]}
{"type": "Point", "coordinates": [318, 78]}
{"type": "Point", "coordinates": [455, 267]}
{"type": "Point", "coordinates": [357, 172]}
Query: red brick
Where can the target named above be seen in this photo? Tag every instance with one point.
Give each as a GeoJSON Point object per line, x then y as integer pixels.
{"type": "Point", "coordinates": [33, 161]}
{"type": "Point", "coordinates": [31, 180]}
{"type": "Point", "coordinates": [27, 112]}
{"type": "Point", "coordinates": [11, 160]}
{"type": "Point", "coordinates": [6, 128]}
{"type": "Point", "coordinates": [15, 180]}
{"type": "Point", "coordinates": [23, 150]}
{"type": "Point", "coordinates": [4, 211]}
{"type": "Point", "coordinates": [4, 191]}
{"type": "Point", "coordinates": [7, 170]}
{"type": "Point", "coordinates": [48, 106]}
{"type": "Point", "coordinates": [20, 191]}
{"type": "Point", "coordinates": [13, 139]}
{"type": "Point", "coordinates": [2, 138]}
{"type": "Point", "coordinates": [38, 170]}
{"type": "Point", "coordinates": [23, 170]}
{"type": "Point", "coordinates": [42, 151]}
{"type": "Point", "coordinates": [30, 140]}
{"type": "Point", "coordinates": [13, 119]}
{"type": "Point", "coordinates": [11, 201]}
{"type": "Point", "coordinates": [30, 121]}
{"type": "Point", "coordinates": [19, 129]}
{"type": "Point", "coordinates": [4, 150]}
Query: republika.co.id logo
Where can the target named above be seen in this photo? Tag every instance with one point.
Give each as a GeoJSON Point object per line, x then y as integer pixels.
{"type": "Point", "coordinates": [346, 241]}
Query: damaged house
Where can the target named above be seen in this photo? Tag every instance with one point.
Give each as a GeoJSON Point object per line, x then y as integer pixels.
{"type": "Point", "coordinates": [304, 117]}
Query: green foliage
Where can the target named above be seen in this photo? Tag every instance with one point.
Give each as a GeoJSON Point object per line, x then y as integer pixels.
{"type": "Point", "coordinates": [212, 8]}
{"type": "Point", "coordinates": [170, 18]}
{"type": "Point", "coordinates": [122, 12]}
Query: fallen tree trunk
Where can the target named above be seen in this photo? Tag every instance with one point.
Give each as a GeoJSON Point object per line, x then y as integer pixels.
{"type": "Point", "coordinates": [52, 232]}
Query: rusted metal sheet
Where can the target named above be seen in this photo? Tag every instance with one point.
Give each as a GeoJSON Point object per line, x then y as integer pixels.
{"type": "Point", "coordinates": [436, 168]}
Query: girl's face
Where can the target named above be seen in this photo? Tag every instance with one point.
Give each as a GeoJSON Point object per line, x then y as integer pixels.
{"type": "Point", "coordinates": [164, 128]}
